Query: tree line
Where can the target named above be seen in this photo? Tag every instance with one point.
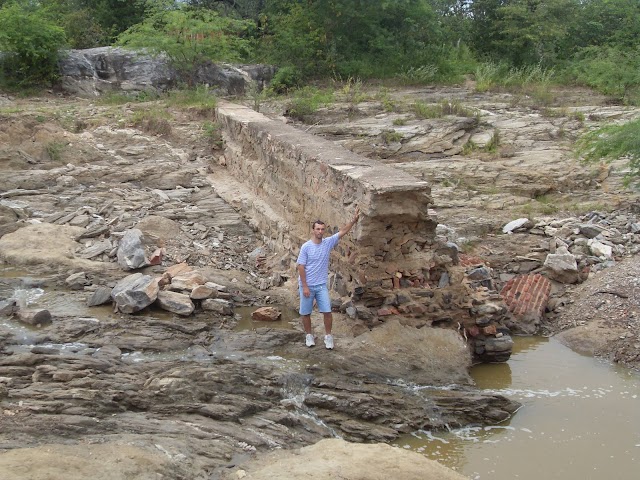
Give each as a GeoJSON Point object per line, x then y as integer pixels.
{"type": "Point", "coordinates": [588, 42]}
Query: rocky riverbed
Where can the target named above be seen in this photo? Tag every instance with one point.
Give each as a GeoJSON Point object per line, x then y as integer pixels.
{"type": "Point", "coordinates": [166, 394]}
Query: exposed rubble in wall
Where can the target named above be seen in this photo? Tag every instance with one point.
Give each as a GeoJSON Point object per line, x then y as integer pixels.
{"type": "Point", "coordinates": [393, 265]}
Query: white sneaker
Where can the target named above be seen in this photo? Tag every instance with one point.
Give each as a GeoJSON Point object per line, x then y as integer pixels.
{"type": "Point", "coordinates": [310, 341]}
{"type": "Point", "coordinates": [328, 341]}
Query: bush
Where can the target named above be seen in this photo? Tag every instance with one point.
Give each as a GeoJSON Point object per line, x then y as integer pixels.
{"type": "Point", "coordinates": [30, 42]}
{"type": "Point", "coordinates": [285, 79]}
{"type": "Point", "coordinates": [307, 101]}
{"type": "Point", "coordinates": [612, 142]}
{"type": "Point", "coordinates": [190, 38]}
{"type": "Point", "coordinates": [611, 71]}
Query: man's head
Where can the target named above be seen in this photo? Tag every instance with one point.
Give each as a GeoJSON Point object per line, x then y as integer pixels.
{"type": "Point", "coordinates": [318, 227]}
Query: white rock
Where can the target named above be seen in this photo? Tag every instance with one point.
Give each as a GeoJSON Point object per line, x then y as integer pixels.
{"type": "Point", "coordinates": [514, 225]}
{"type": "Point", "coordinates": [600, 250]}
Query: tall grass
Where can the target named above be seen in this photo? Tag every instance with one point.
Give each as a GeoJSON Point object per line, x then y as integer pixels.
{"type": "Point", "coordinates": [441, 109]}
{"type": "Point", "coordinates": [491, 76]}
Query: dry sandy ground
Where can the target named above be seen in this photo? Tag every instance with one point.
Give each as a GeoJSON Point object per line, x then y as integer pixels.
{"type": "Point", "coordinates": [603, 316]}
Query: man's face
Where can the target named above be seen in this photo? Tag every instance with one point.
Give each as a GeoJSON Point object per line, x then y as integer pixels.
{"type": "Point", "coordinates": [318, 230]}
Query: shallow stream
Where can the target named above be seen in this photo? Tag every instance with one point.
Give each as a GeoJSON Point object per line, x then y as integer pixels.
{"type": "Point", "coordinates": [580, 419]}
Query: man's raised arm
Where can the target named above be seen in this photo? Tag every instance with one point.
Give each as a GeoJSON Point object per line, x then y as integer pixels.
{"type": "Point", "coordinates": [344, 230]}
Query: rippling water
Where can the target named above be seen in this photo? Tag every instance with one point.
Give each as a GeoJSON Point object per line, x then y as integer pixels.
{"type": "Point", "coordinates": [580, 420]}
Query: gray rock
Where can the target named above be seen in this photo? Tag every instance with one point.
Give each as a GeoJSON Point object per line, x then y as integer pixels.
{"type": "Point", "coordinates": [135, 292]}
{"type": "Point", "coordinates": [218, 305]}
{"type": "Point", "coordinates": [77, 281]}
{"type": "Point", "coordinates": [590, 231]}
{"type": "Point", "coordinates": [599, 249]}
{"type": "Point", "coordinates": [175, 302]}
{"type": "Point", "coordinates": [101, 296]}
{"type": "Point", "coordinates": [34, 317]}
{"type": "Point", "coordinates": [93, 71]}
{"type": "Point", "coordinates": [96, 249]}
{"type": "Point", "coordinates": [562, 266]}
{"type": "Point", "coordinates": [131, 254]}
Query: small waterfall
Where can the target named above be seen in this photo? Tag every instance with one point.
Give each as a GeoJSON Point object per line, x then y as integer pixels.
{"type": "Point", "coordinates": [295, 388]}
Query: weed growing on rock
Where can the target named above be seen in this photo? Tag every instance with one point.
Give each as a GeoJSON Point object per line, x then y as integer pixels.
{"type": "Point", "coordinates": [156, 122]}
{"type": "Point", "coordinates": [391, 136]}
{"type": "Point", "coordinates": [444, 108]}
{"type": "Point", "coordinates": [212, 132]}
{"type": "Point", "coordinates": [120, 98]}
{"type": "Point", "coordinates": [387, 103]}
{"type": "Point", "coordinates": [201, 99]}
{"type": "Point", "coordinates": [469, 148]}
{"type": "Point", "coordinates": [494, 142]}
{"type": "Point", "coordinates": [612, 142]}
{"type": "Point", "coordinates": [54, 150]}
{"type": "Point", "coordinates": [399, 121]}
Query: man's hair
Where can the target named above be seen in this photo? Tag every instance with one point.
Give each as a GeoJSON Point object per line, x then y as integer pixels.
{"type": "Point", "coordinates": [316, 222]}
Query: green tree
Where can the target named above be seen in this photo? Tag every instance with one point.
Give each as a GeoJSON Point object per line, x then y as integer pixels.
{"type": "Point", "coordinates": [30, 42]}
{"type": "Point", "coordinates": [611, 70]}
{"type": "Point", "coordinates": [191, 37]}
{"type": "Point", "coordinates": [351, 37]}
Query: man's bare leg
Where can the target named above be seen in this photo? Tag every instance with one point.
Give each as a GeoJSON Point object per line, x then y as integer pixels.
{"type": "Point", "coordinates": [306, 323]}
{"type": "Point", "coordinates": [328, 322]}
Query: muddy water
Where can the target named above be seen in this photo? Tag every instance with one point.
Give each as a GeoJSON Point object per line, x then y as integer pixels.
{"type": "Point", "coordinates": [580, 420]}
{"type": "Point", "coordinates": [288, 319]}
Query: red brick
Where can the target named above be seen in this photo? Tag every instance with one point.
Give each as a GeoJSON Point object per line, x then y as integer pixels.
{"type": "Point", "coordinates": [527, 295]}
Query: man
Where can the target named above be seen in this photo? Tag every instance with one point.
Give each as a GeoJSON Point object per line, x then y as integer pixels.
{"type": "Point", "coordinates": [313, 270]}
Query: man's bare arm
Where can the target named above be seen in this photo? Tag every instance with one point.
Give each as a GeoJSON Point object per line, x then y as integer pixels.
{"type": "Point", "coordinates": [344, 230]}
{"type": "Point", "coordinates": [303, 280]}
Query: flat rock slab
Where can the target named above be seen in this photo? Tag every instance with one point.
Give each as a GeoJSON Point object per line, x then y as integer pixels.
{"type": "Point", "coordinates": [333, 458]}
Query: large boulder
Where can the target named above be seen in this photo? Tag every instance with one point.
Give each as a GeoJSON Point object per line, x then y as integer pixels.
{"type": "Point", "coordinates": [94, 71]}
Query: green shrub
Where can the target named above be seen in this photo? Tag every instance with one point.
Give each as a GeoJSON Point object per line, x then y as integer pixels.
{"type": "Point", "coordinates": [390, 136]}
{"type": "Point", "coordinates": [213, 133]}
{"type": "Point", "coordinates": [610, 70]}
{"type": "Point", "coordinates": [190, 38]}
{"type": "Point", "coordinates": [422, 110]}
{"type": "Point", "coordinates": [612, 142]}
{"type": "Point", "coordinates": [286, 78]}
{"type": "Point", "coordinates": [30, 42]}
{"type": "Point", "coordinates": [307, 101]}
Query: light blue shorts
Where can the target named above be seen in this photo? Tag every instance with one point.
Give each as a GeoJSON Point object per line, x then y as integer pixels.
{"type": "Point", "coordinates": [321, 295]}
